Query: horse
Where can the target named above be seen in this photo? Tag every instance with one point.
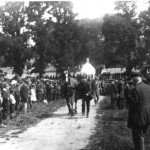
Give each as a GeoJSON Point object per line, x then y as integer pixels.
{"type": "Point", "coordinates": [69, 89]}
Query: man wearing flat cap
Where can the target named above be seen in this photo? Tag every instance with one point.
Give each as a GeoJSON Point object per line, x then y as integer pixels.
{"type": "Point", "coordinates": [139, 111]}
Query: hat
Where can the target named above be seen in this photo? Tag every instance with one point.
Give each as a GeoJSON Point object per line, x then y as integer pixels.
{"type": "Point", "coordinates": [136, 74]}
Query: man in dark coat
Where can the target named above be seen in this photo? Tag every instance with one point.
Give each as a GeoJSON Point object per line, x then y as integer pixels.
{"type": "Point", "coordinates": [84, 88]}
{"type": "Point", "coordinates": [95, 87]}
{"type": "Point", "coordinates": [139, 111]}
{"type": "Point", "coordinates": [121, 95]}
{"type": "Point", "coordinates": [1, 114]}
{"type": "Point", "coordinates": [113, 91]}
{"type": "Point", "coordinates": [5, 103]}
{"type": "Point", "coordinates": [24, 94]}
{"type": "Point", "coordinates": [40, 91]}
{"type": "Point", "coordinates": [17, 96]}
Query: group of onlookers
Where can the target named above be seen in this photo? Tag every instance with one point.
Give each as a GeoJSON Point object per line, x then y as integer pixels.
{"type": "Point", "coordinates": [117, 89]}
{"type": "Point", "coordinates": [18, 95]}
{"type": "Point", "coordinates": [133, 94]}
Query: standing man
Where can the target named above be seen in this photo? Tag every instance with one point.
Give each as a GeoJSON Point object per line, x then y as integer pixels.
{"type": "Point", "coordinates": [121, 95]}
{"type": "Point", "coordinates": [40, 91]}
{"type": "Point", "coordinates": [1, 114]}
{"type": "Point", "coordinates": [113, 91]}
{"type": "Point", "coordinates": [139, 111]}
{"type": "Point", "coordinates": [24, 93]}
{"type": "Point", "coordinates": [85, 91]}
{"type": "Point", "coordinates": [6, 103]}
{"type": "Point", "coordinates": [95, 87]}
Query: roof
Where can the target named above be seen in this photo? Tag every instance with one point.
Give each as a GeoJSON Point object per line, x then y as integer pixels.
{"type": "Point", "coordinates": [113, 70]}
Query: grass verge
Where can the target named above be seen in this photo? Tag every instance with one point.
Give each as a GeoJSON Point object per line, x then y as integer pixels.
{"type": "Point", "coordinates": [38, 112]}
{"type": "Point", "coordinates": [110, 132]}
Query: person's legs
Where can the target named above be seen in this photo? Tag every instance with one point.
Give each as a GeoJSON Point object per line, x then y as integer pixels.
{"type": "Point", "coordinates": [12, 110]}
{"type": "Point", "coordinates": [83, 106]}
{"type": "Point", "coordinates": [118, 103]}
{"type": "Point", "coordinates": [138, 135]}
{"type": "Point", "coordinates": [121, 103]}
{"type": "Point", "coordinates": [113, 103]}
{"type": "Point", "coordinates": [1, 120]}
{"type": "Point", "coordinates": [97, 95]}
{"type": "Point", "coordinates": [88, 107]}
{"type": "Point", "coordinates": [5, 114]}
{"type": "Point", "coordinates": [1, 117]}
{"type": "Point", "coordinates": [25, 107]}
{"type": "Point", "coordinates": [95, 98]}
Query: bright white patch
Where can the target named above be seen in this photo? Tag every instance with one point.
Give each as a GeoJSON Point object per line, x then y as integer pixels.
{"type": "Point", "coordinates": [88, 69]}
{"type": "Point", "coordinates": [98, 8]}
{"type": "Point", "coordinates": [93, 8]}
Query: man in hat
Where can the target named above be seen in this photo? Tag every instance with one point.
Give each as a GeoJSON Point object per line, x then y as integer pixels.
{"type": "Point", "coordinates": [121, 95]}
{"type": "Point", "coordinates": [5, 103]}
{"type": "Point", "coordinates": [24, 94]}
{"type": "Point", "coordinates": [113, 92]}
{"type": "Point", "coordinates": [84, 89]}
{"type": "Point", "coordinates": [139, 111]}
{"type": "Point", "coordinates": [95, 87]}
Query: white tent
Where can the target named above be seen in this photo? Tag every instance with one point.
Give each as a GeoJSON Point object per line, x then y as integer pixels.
{"type": "Point", "coordinates": [88, 69]}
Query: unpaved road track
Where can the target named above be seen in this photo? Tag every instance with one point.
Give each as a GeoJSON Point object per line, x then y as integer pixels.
{"type": "Point", "coordinates": [59, 132]}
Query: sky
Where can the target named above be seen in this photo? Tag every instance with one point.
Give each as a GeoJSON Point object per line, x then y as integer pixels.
{"type": "Point", "coordinates": [94, 8]}
{"type": "Point", "coordinates": [97, 8]}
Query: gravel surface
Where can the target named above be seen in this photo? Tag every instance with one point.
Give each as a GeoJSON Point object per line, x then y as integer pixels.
{"type": "Point", "coordinates": [59, 132]}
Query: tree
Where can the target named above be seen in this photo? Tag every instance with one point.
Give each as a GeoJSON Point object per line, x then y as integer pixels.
{"type": "Point", "coordinates": [66, 34]}
{"type": "Point", "coordinates": [120, 40]}
{"type": "Point", "coordinates": [13, 21]}
{"type": "Point", "coordinates": [144, 43]}
{"type": "Point", "coordinates": [121, 32]}
{"type": "Point", "coordinates": [91, 40]}
{"type": "Point", "coordinates": [41, 34]}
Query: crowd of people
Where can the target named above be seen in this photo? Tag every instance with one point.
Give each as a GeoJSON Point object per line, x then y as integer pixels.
{"type": "Point", "coordinates": [133, 94]}
{"type": "Point", "coordinates": [17, 95]}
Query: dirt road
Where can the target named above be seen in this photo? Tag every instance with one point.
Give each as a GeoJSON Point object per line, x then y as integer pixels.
{"type": "Point", "coordinates": [59, 132]}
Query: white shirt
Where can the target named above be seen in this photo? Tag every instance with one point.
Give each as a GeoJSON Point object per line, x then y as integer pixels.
{"type": "Point", "coordinates": [12, 99]}
{"type": "Point", "coordinates": [33, 95]}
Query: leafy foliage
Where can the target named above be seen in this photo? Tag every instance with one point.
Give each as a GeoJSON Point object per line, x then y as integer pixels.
{"type": "Point", "coordinates": [121, 32]}
{"type": "Point", "coordinates": [13, 21]}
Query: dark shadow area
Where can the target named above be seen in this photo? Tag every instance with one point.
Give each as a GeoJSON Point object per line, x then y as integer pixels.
{"type": "Point", "coordinates": [18, 132]}
{"type": "Point", "coordinates": [61, 116]}
{"type": "Point", "coordinates": [44, 116]}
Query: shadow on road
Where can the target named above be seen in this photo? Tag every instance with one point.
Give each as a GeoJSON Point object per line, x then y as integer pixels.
{"type": "Point", "coordinates": [60, 115]}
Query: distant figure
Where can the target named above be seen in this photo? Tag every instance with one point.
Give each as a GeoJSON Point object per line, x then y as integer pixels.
{"type": "Point", "coordinates": [24, 96]}
{"type": "Point", "coordinates": [17, 96]}
{"type": "Point", "coordinates": [32, 92]}
{"type": "Point", "coordinates": [121, 95]}
{"type": "Point", "coordinates": [12, 104]}
{"type": "Point", "coordinates": [40, 91]}
{"type": "Point", "coordinates": [5, 103]}
{"type": "Point", "coordinates": [95, 87]}
{"type": "Point", "coordinates": [1, 115]}
{"type": "Point", "coordinates": [113, 91]}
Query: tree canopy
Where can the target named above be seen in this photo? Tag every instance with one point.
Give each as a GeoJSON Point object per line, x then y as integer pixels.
{"type": "Point", "coordinates": [61, 40]}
